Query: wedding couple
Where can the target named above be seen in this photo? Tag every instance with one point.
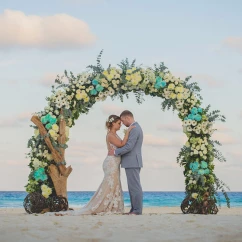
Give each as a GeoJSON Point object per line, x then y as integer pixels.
{"type": "Point", "coordinates": [108, 199]}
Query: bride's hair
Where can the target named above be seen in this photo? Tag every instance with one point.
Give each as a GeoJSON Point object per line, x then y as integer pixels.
{"type": "Point", "coordinates": [111, 119]}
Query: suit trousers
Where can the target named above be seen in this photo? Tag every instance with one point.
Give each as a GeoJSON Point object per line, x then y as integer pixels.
{"type": "Point", "coordinates": [135, 189]}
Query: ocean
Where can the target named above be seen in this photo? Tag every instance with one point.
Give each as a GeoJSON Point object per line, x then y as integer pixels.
{"type": "Point", "coordinates": [14, 199]}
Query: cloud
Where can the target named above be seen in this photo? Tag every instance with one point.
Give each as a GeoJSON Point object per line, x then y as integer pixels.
{"type": "Point", "coordinates": [15, 121]}
{"type": "Point", "coordinates": [51, 32]}
{"type": "Point", "coordinates": [202, 78]}
{"type": "Point", "coordinates": [174, 127]}
{"type": "Point", "coordinates": [234, 43]}
{"type": "Point", "coordinates": [109, 109]}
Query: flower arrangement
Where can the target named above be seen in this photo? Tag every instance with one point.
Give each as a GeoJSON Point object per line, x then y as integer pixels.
{"type": "Point", "coordinates": [84, 90]}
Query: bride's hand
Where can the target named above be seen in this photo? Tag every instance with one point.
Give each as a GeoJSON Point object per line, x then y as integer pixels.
{"type": "Point", "coordinates": [130, 128]}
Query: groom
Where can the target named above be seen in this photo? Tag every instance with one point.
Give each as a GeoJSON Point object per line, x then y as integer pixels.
{"type": "Point", "coordinates": [132, 161]}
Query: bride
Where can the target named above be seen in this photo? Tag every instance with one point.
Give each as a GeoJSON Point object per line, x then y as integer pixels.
{"type": "Point", "coordinates": [108, 199]}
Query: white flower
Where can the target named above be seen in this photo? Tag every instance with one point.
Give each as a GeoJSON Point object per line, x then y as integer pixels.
{"type": "Point", "coordinates": [194, 122]}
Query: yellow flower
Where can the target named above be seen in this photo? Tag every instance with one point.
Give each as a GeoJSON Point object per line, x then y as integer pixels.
{"type": "Point", "coordinates": [36, 132]}
{"type": "Point", "coordinates": [55, 127]}
{"type": "Point", "coordinates": [105, 73]}
{"type": "Point", "coordinates": [180, 96]}
{"type": "Point", "coordinates": [52, 133]}
{"type": "Point", "coordinates": [129, 71]}
{"type": "Point", "coordinates": [128, 77]}
{"type": "Point", "coordinates": [78, 96]}
{"type": "Point", "coordinates": [134, 82]}
{"type": "Point", "coordinates": [49, 157]}
{"type": "Point", "coordinates": [173, 95]}
{"type": "Point", "coordinates": [86, 99]}
{"type": "Point", "coordinates": [194, 195]}
{"type": "Point", "coordinates": [171, 86]}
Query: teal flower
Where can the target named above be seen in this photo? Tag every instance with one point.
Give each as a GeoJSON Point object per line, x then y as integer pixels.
{"type": "Point", "coordinates": [48, 126]}
{"type": "Point", "coordinates": [163, 84]}
{"type": "Point", "coordinates": [94, 82]}
{"type": "Point", "coordinates": [159, 83]}
{"type": "Point", "coordinates": [99, 88]}
{"type": "Point", "coordinates": [204, 164]}
{"type": "Point", "coordinates": [43, 120]}
{"type": "Point", "coordinates": [47, 116]}
{"type": "Point", "coordinates": [200, 110]}
{"type": "Point", "coordinates": [206, 171]}
{"type": "Point", "coordinates": [158, 79]}
{"type": "Point", "coordinates": [194, 110]}
{"type": "Point", "coordinates": [52, 120]}
{"type": "Point", "coordinates": [197, 117]}
{"type": "Point", "coordinates": [40, 174]}
{"type": "Point", "coordinates": [93, 92]}
{"type": "Point", "coordinates": [200, 172]}
{"type": "Point", "coordinates": [191, 116]}
{"type": "Point", "coordinates": [194, 166]}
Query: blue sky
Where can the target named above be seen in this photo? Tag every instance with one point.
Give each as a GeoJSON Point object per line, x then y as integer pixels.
{"type": "Point", "coordinates": [198, 38]}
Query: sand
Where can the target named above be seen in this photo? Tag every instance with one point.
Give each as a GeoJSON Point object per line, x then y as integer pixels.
{"type": "Point", "coordinates": [156, 224]}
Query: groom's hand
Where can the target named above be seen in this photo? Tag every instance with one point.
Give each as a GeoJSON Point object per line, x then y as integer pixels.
{"type": "Point", "coordinates": [111, 152]}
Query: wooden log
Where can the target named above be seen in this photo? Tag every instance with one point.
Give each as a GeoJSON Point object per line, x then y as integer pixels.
{"type": "Point", "coordinates": [59, 181]}
{"type": "Point", "coordinates": [57, 157]}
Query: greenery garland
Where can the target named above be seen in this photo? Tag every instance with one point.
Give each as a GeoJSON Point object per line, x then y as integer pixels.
{"type": "Point", "coordinates": [84, 90]}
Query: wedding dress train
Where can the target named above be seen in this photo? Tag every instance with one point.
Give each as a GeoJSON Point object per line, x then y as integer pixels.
{"type": "Point", "coordinates": [108, 199]}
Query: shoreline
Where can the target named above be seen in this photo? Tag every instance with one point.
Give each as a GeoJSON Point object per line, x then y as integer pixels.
{"type": "Point", "coordinates": [146, 210]}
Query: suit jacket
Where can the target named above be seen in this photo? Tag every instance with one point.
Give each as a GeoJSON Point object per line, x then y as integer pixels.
{"type": "Point", "coordinates": [131, 151]}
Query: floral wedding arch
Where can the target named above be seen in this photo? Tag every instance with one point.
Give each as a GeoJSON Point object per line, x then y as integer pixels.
{"type": "Point", "coordinates": [48, 177]}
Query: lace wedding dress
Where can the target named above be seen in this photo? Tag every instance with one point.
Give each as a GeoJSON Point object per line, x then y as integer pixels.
{"type": "Point", "coordinates": [108, 199]}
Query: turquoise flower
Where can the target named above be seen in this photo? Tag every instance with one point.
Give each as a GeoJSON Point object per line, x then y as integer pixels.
{"type": "Point", "coordinates": [40, 174]}
{"type": "Point", "coordinates": [163, 84]}
{"type": "Point", "coordinates": [191, 116]}
{"type": "Point", "coordinates": [197, 117]}
{"type": "Point", "coordinates": [48, 126]}
{"type": "Point", "coordinates": [94, 82]}
{"type": "Point", "coordinates": [93, 92]}
{"type": "Point", "coordinates": [194, 166]}
{"type": "Point", "coordinates": [194, 110]}
{"type": "Point", "coordinates": [47, 116]}
{"type": "Point", "coordinates": [159, 82]}
{"type": "Point", "coordinates": [204, 164]}
{"type": "Point", "coordinates": [200, 172]}
{"type": "Point", "coordinates": [158, 85]}
{"type": "Point", "coordinates": [200, 110]}
{"type": "Point", "coordinates": [99, 88]}
{"type": "Point", "coordinates": [43, 120]}
{"type": "Point", "coordinates": [206, 171]}
{"type": "Point", "coordinates": [52, 120]}
{"type": "Point", "coordinates": [158, 79]}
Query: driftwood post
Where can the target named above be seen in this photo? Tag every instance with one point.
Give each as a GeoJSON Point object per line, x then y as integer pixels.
{"type": "Point", "coordinates": [58, 176]}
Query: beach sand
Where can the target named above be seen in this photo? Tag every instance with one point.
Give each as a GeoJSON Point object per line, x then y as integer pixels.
{"type": "Point", "coordinates": [156, 224]}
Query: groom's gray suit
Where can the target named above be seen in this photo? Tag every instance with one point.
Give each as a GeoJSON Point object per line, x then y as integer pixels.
{"type": "Point", "coordinates": [132, 162]}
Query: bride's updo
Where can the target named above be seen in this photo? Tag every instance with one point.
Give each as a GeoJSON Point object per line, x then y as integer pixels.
{"type": "Point", "coordinates": [111, 119]}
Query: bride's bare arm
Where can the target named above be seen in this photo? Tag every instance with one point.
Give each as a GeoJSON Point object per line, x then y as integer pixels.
{"type": "Point", "coordinates": [116, 141]}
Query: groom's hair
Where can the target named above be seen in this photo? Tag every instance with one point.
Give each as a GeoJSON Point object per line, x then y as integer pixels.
{"type": "Point", "coordinates": [126, 113]}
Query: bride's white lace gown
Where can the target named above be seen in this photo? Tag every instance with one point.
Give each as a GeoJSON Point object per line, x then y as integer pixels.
{"type": "Point", "coordinates": [108, 199]}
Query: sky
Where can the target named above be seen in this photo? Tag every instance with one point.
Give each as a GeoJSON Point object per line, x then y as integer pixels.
{"type": "Point", "coordinates": [41, 39]}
